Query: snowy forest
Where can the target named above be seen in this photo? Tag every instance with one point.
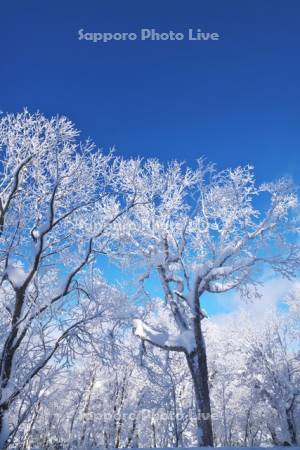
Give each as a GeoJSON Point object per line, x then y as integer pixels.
{"type": "Point", "coordinates": [107, 264]}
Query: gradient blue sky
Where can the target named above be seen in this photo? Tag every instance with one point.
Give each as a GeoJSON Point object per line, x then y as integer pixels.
{"type": "Point", "coordinates": [235, 101]}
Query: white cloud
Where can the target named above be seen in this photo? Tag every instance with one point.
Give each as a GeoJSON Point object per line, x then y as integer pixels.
{"type": "Point", "coordinates": [272, 292]}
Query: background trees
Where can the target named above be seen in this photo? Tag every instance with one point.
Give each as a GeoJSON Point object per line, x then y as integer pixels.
{"type": "Point", "coordinates": [118, 399]}
{"type": "Point", "coordinates": [261, 392]}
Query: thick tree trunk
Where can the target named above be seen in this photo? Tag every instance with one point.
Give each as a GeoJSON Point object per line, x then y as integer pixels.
{"type": "Point", "coordinates": [291, 423]}
{"type": "Point", "coordinates": [203, 411]}
{"type": "Point", "coordinates": [197, 362]}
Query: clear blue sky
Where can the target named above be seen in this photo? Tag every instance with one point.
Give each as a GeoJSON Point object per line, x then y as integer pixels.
{"type": "Point", "coordinates": [236, 100]}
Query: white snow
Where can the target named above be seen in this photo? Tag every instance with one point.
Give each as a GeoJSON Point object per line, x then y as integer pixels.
{"type": "Point", "coordinates": [163, 338]}
{"type": "Point", "coordinates": [16, 275]}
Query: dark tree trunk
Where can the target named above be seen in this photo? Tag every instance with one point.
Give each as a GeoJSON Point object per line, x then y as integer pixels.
{"type": "Point", "coordinates": [291, 425]}
{"type": "Point", "coordinates": [154, 444]}
{"type": "Point", "coordinates": [197, 362]}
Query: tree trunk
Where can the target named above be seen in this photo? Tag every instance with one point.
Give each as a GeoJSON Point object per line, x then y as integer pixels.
{"type": "Point", "coordinates": [154, 445]}
{"type": "Point", "coordinates": [10, 348]}
{"type": "Point", "coordinates": [291, 426]}
{"type": "Point", "coordinates": [197, 363]}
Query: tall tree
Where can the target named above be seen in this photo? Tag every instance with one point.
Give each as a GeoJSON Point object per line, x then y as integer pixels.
{"type": "Point", "coordinates": [201, 232]}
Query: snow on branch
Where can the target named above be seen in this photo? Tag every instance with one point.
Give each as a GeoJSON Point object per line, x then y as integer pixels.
{"type": "Point", "coordinates": [183, 342]}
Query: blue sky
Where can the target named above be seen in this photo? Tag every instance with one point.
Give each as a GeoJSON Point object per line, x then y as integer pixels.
{"type": "Point", "coordinates": [236, 100]}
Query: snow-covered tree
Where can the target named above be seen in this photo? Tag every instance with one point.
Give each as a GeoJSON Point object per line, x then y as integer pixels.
{"type": "Point", "coordinates": [201, 231]}
{"type": "Point", "coordinates": [58, 200]}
